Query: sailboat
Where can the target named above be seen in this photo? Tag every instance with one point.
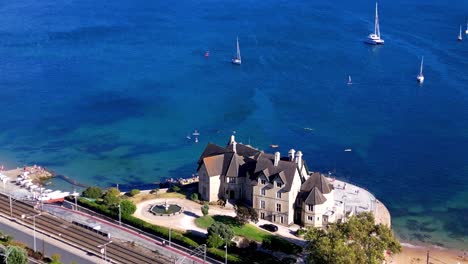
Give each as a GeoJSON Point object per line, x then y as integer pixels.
{"type": "Point", "coordinates": [460, 34]}
{"type": "Point", "coordinates": [420, 77]}
{"type": "Point", "coordinates": [466, 31]}
{"type": "Point", "coordinates": [349, 80]}
{"type": "Point", "coordinates": [237, 60]}
{"type": "Point", "coordinates": [374, 38]}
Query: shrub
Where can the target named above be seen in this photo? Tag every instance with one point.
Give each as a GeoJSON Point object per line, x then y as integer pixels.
{"type": "Point", "coordinates": [175, 188]}
{"type": "Point", "coordinates": [155, 191]}
{"type": "Point", "coordinates": [300, 232]}
{"type": "Point", "coordinates": [215, 241]}
{"type": "Point", "coordinates": [204, 209]}
{"type": "Point", "coordinates": [17, 255]}
{"type": "Point", "coordinates": [92, 192]}
{"type": "Point", "coordinates": [112, 196]}
{"type": "Point", "coordinates": [275, 243]}
{"type": "Point", "coordinates": [223, 230]}
{"type": "Point", "coordinates": [220, 254]}
{"type": "Point", "coordinates": [55, 259]}
{"type": "Point", "coordinates": [289, 260]}
{"type": "Point", "coordinates": [194, 197]}
{"type": "Point", "coordinates": [127, 207]}
{"type": "Point", "coordinates": [244, 214]}
{"type": "Point", "coordinates": [253, 245]}
{"type": "Point", "coordinates": [133, 192]}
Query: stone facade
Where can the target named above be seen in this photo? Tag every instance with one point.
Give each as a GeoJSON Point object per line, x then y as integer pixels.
{"type": "Point", "coordinates": [279, 188]}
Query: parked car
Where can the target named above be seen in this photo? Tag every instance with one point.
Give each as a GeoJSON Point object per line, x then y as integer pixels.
{"type": "Point", "coordinates": [269, 227]}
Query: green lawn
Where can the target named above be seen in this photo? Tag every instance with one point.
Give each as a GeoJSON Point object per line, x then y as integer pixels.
{"type": "Point", "coordinates": [248, 231]}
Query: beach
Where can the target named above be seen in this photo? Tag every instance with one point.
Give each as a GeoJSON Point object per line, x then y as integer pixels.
{"type": "Point", "coordinates": [417, 254]}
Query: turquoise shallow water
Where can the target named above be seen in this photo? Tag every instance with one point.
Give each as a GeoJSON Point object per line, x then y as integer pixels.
{"type": "Point", "coordinates": [105, 92]}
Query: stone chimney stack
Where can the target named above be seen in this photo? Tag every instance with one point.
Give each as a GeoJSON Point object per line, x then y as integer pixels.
{"type": "Point", "coordinates": [291, 154]}
{"type": "Point", "coordinates": [233, 139]}
{"type": "Point", "coordinates": [277, 158]}
{"type": "Point", "coordinates": [234, 146]}
{"type": "Point", "coordinates": [299, 158]}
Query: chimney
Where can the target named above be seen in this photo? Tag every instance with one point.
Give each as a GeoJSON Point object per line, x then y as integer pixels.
{"type": "Point", "coordinates": [299, 158]}
{"type": "Point", "coordinates": [233, 139]}
{"type": "Point", "coordinates": [291, 154]}
{"type": "Point", "coordinates": [277, 158]}
{"type": "Point", "coordinates": [234, 146]}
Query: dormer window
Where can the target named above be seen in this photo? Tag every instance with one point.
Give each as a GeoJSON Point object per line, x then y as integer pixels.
{"type": "Point", "coordinates": [279, 184]}
{"type": "Point", "coordinates": [263, 181]}
{"type": "Point", "coordinates": [310, 207]}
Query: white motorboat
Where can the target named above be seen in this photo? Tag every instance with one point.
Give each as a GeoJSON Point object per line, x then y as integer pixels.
{"type": "Point", "coordinates": [237, 60]}
{"type": "Point", "coordinates": [349, 80]}
{"type": "Point", "coordinates": [374, 38]}
{"type": "Point", "coordinates": [466, 31]}
{"type": "Point", "coordinates": [420, 77]}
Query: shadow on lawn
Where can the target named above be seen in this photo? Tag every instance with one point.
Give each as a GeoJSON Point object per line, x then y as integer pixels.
{"type": "Point", "coordinates": [228, 220]}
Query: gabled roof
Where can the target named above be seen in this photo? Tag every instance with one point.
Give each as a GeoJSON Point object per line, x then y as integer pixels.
{"type": "Point", "coordinates": [211, 150]}
{"type": "Point", "coordinates": [213, 165]}
{"type": "Point", "coordinates": [317, 180]}
{"type": "Point", "coordinates": [315, 197]}
{"type": "Point", "coordinates": [245, 160]}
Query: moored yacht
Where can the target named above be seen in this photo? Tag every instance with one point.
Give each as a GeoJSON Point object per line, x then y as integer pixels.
{"type": "Point", "coordinates": [460, 38]}
{"type": "Point", "coordinates": [420, 77]}
{"type": "Point", "coordinates": [374, 38]}
{"type": "Point", "coordinates": [237, 60]}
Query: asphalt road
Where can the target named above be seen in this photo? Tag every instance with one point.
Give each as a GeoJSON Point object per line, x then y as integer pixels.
{"type": "Point", "coordinates": [43, 242]}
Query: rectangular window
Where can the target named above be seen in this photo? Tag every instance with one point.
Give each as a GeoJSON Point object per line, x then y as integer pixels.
{"type": "Point", "coordinates": [262, 215]}
{"type": "Point", "coordinates": [311, 207]}
{"type": "Point", "coordinates": [310, 218]}
{"type": "Point", "coordinates": [278, 207]}
{"type": "Point", "coordinates": [281, 219]}
{"type": "Point", "coordinates": [230, 179]}
{"type": "Point", "coordinates": [278, 195]}
{"type": "Point", "coordinates": [263, 181]}
{"type": "Point", "coordinates": [262, 204]}
{"type": "Point", "coordinates": [263, 192]}
{"type": "Point", "coordinates": [274, 218]}
{"type": "Point", "coordinates": [279, 184]}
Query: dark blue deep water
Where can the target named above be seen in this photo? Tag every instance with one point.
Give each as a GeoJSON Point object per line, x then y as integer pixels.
{"type": "Point", "coordinates": [106, 91]}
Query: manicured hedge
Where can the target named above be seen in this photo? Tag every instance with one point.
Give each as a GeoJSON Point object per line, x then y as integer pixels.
{"type": "Point", "coordinates": [220, 254]}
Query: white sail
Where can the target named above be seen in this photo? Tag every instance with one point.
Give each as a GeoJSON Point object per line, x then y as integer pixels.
{"type": "Point", "coordinates": [421, 68]}
{"type": "Point", "coordinates": [466, 31]}
{"type": "Point", "coordinates": [376, 23]}
{"type": "Point", "coordinates": [460, 34]}
{"type": "Point", "coordinates": [238, 56]}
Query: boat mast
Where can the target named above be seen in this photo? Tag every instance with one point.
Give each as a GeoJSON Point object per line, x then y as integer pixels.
{"type": "Point", "coordinates": [376, 23]}
{"type": "Point", "coordinates": [460, 35]}
{"type": "Point", "coordinates": [238, 49]}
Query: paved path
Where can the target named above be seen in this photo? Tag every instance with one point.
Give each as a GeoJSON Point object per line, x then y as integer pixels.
{"type": "Point", "coordinates": [184, 221]}
{"type": "Point", "coordinates": [45, 243]}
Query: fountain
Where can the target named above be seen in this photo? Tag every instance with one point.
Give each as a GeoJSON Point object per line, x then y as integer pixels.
{"type": "Point", "coordinates": [165, 209]}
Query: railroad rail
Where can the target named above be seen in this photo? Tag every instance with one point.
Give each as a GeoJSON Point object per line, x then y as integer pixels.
{"type": "Point", "coordinates": [82, 238]}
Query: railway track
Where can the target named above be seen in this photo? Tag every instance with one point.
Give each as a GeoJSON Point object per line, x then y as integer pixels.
{"type": "Point", "coordinates": [81, 237]}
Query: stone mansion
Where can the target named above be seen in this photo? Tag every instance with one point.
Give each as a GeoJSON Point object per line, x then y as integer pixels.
{"type": "Point", "coordinates": [280, 189]}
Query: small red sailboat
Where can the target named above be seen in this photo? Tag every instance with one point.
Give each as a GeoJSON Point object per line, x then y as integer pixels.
{"type": "Point", "coordinates": [207, 54]}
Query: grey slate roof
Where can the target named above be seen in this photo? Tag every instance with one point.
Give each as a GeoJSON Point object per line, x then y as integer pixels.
{"type": "Point", "coordinates": [247, 159]}
{"type": "Point", "coordinates": [317, 180]}
{"type": "Point", "coordinates": [315, 197]}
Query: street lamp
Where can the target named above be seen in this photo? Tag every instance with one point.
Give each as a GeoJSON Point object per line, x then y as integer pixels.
{"type": "Point", "coordinates": [120, 214]}
{"type": "Point", "coordinates": [225, 254]}
{"type": "Point", "coordinates": [34, 225]}
{"type": "Point", "coordinates": [170, 229]}
{"type": "Point", "coordinates": [104, 250]}
{"type": "Point", "coordinates": [75, 195]}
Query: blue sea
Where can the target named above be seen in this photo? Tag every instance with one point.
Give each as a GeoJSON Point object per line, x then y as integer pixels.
{"type": "Point", "coordinates": [105, 92]}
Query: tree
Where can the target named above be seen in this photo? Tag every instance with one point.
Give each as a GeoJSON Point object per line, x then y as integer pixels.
{"type": "Point", "coordinates": [127, 208]}
{"type": "Point", "coordinates": [359, 240]}
{"type": "Point", "coordinates": [204, 209]}
{"type": "Point", "coordinates": [112, 196]}
{"type": "Point", "coordinates": [215, 241]}
{"type": "Point", "coordinates": [92, 192]}
{"type": "Point", "coordinates": [16, 255]}
{"type": "Point", "coordinates": [244, 214]}
{"type": "Point", "coordinates": [223, 230]}
{"type": "Point", "coordinates": [133, 192]}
